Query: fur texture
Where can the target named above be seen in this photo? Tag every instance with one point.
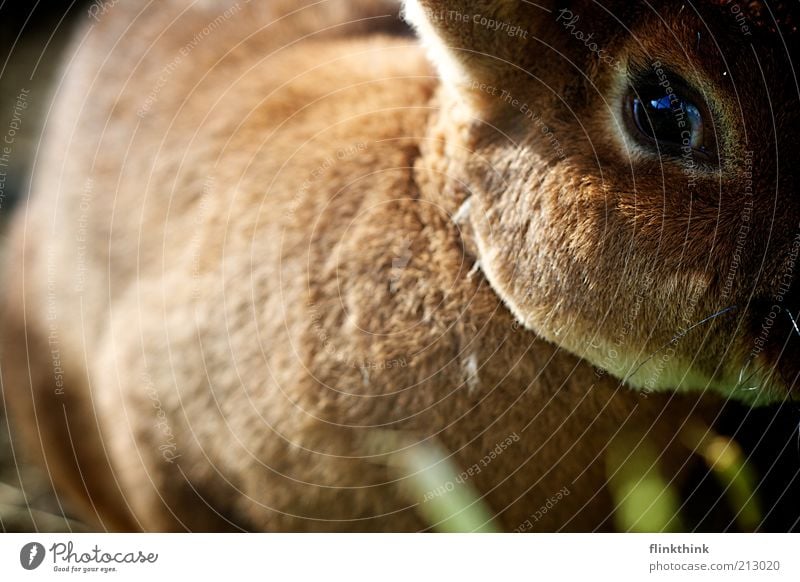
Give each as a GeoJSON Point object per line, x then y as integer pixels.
{"type": "Point", "coordinates": [252, 249]}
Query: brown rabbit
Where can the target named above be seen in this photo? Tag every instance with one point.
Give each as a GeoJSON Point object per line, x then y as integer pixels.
{"type": "Point", "coordinates": [270, 247]}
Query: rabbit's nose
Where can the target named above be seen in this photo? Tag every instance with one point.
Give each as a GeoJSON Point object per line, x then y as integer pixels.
{"type": "Point", "coordinates": [789, 363]}
{"type": "Point", "coordinates": [787, 345]}
{"type": "Point", "coordinates": [783, 359]}
{"type": "Point", "coordinates": [775, 340]}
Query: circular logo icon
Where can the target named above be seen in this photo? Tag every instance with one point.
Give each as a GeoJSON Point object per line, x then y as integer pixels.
{"type": "Point", "coordinates": [31, 555]}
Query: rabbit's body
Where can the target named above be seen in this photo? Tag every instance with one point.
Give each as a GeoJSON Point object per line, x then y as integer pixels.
{"type": "Point", "coordinates": [271, 265]}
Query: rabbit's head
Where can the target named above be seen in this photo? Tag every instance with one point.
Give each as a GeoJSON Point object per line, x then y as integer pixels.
{"type": "Point", "coordinates": [629, 176]}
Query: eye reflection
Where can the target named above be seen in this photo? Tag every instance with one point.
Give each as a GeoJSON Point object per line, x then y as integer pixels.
{"type": "Point", "coordinates": [669, 122]}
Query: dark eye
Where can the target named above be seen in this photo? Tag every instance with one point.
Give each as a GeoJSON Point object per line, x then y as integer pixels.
{"type": "Point", "coordinates": [670, 120]}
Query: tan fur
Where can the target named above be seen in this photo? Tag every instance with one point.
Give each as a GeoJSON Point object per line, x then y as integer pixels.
{"type": "Point", "coordinates": [306, 239]}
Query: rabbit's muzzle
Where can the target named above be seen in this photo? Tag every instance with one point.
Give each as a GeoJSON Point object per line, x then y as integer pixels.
{"type": "Point", "coordinates": [775, 343]}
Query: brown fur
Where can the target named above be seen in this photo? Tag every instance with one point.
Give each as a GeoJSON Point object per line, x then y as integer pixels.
{"type": "Point", "coordinates": [240, 265]}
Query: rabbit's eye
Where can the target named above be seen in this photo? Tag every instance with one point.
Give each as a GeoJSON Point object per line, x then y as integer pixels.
{"type": "Point", "coordinates": [669, 121]}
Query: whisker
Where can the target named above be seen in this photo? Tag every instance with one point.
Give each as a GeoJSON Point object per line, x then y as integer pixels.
{"type": "Point", "coordinates": [798, 437]}
{"type": "Point", "coordinates": [680, 336]}
{"type": "Point", "coordinates": [742, 371]}
{"type": "Point", "coordinates": [792, 319]}
{"type": "Point", "coordinates": [797, 409]}
{"type": "Point", "coordinates": [756, 370]}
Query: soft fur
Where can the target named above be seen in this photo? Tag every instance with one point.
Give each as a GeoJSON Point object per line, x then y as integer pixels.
{"type": "Point", "coordinates": [311, 236]}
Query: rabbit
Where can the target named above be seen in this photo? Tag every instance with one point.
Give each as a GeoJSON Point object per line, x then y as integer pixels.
{"type": "Point", "coordinates": [272, 248]}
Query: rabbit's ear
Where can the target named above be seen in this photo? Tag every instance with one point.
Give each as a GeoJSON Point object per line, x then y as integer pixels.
{"type": "Point", "coordinates": [473, 41]}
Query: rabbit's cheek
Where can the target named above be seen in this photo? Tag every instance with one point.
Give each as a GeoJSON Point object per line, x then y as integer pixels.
{"type": "Point", "coordinates": [558, 288]}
